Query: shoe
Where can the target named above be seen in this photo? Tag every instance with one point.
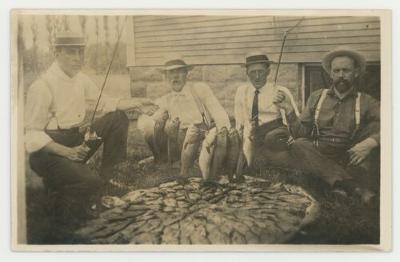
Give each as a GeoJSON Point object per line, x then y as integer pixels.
{"type": "Point", "coordinates": [146, 163]}
{"type": "Point", "coordinates": [182, 180]}
{"type": "Point", "coordinates": [344, 187]}
{"type": "Point", "coordinates": [340, 193]}
{"type": "Point", "coordinates": [115, 188]}
{"type": "Point", "coordinates": [239, 179]}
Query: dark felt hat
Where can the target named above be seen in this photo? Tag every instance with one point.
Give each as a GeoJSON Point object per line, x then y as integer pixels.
{"type": "Point", "coordinates": [69, 38]}
{"type": "Point", "coordinates": [256, 58]}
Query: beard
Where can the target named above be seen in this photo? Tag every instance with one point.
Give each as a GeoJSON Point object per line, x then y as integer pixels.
{"type": "Point", "coordinates": [342, 85]}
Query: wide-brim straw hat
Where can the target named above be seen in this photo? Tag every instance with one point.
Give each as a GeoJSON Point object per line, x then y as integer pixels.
{"type": "Point", "coordinates": [69, 38]}
{"type": "Point", "coordinates": [175, 62]}
{"type": "Point", "coordinates": [344, 51]}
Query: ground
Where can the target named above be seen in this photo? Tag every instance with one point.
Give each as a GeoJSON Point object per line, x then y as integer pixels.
{"type": "Point", "coordinates": [342, 221]}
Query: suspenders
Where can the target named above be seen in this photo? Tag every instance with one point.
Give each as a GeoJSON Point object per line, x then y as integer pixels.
{"type": "Point", "coordinates": [357, 115]}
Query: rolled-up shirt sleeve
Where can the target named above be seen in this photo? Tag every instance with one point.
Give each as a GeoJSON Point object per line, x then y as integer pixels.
{"type": "Point", "coordinates": [373, 118]}
{"type": "Point", "coordinates": [213, 106]}
{"type": "Point", "coordinates": [162, 103]}
{"type": "Point", "coordinates": [37, 108]}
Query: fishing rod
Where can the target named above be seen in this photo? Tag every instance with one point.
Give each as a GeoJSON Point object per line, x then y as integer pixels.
{"type": "Point", "coordinates": [285, 34]}
{"type": "Point", "coordinates": [282, 111]}
{"type": "Point", "coordinates": [90, 134]}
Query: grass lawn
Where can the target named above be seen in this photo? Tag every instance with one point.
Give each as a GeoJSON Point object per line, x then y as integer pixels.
{"type": "Point", "coordinates": [340, 222]}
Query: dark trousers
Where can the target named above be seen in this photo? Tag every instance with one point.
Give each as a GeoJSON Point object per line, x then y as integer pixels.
{"type": "Point", "coordinates": [75, 181]}
{"type": "Point", "coordinates": [329, 161]}
{"type": "Point", "coordinates": [272, 148]}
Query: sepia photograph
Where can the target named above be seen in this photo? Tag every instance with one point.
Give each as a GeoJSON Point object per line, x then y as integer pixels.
{"type": "Point", "coordinates": [201, 130]}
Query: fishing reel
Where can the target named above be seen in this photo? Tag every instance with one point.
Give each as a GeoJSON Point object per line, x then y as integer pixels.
{"type": "Point", "coordinates": [91, 139]}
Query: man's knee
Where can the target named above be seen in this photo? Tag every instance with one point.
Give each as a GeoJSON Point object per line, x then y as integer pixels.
{"type": "Point", "coordinates": [276, 139]}
{"type": "Point", "coordinates": [121, 118]}
{"type": "Point", "coordinates": [300, 144]}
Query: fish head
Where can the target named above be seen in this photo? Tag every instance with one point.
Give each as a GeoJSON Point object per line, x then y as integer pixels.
{"type": "Point", "coordinates": [211, 136]}
{"type": "Point", "coordinates": [176, 122]}
{"type": "Point", "coordinates": [165, 115]}
{"type": "Point", "coordinates": [233, 133]}
{"type": "Point", "coordinates": [223, 131]}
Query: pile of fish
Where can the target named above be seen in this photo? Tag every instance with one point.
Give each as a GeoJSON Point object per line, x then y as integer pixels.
{"type": "Point", "coordinates": [253, 212]}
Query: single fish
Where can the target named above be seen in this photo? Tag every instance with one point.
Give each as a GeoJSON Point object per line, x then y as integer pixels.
{"type": "Point", "coordinates": [160, 138]}
{"type": "Point", "coordinates": [190, 149]}
{"type": "Point", "coordinates": [146, 125]}
{"type": "Point", "coordinates": [113, 201]}
{"type": "Point", "coordinates": [249, 142]}
{"type": "Point", "coordinates": [219, 155]}
{"type": "Point", "coordinates": [206, 153]}
{"type": "Point", "coordinates": [232, 157]}
{"type": "Point", "coordinates": [241, 163]}
{"type": "Point", "coordinates": [172, 131]}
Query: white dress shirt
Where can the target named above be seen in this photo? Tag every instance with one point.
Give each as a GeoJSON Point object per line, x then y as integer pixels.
{"type": "Point", "coordinates": [267, 111]}
{"type": "Point", "coordinates": [183, 105]}
{"type": "Point", "coordinates": [56, 100]}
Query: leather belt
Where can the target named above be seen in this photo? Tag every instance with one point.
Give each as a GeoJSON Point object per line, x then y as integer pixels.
{"type": "Point", "coordinates": [337, 140]}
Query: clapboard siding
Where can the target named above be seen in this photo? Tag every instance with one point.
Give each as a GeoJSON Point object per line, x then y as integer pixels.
{"type": "Point", "coordinates": [261, 44]}
{"type": "Point", "coordinates": [373, 33]}
{"type": "Point", "coordinates": [225, 39]}
{"type": "Point", "coordinates": [352, 29]}
{"type": "Point", "coordinates": [239, 24]}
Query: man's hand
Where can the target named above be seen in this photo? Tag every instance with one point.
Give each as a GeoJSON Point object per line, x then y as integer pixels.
{"type": "Point", "coordinates": [360, 151]}
{"type": "Point", "coordinates": [77, 153]}
{"type": "Point", "coordinates": [149, 109]}
{"type": "Point", "coordinates": [281, 102]}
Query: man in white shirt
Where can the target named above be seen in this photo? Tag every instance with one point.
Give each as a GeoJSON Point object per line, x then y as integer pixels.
{"type": "Point", "coordinates": [192, 102]}
{"type": "Point", "coordinates": [255, 104]}
{"type": "Point", "coordinates": [56, 109]}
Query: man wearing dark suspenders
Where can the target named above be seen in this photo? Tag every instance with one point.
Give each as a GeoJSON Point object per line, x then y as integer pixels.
{"type": "Point", "coordinates": [338, 132]}
{"type": "Point", "coordinates": [56, 108]}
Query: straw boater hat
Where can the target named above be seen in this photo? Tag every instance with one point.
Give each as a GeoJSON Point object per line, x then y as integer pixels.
{"type": "Point", "coordinates": [255, 58]}
{"type": "Point", "coordinates": [69, 38]}
{"type": "Point", "coordinates": [175, 62]}
{"type": "Point", "coordinates": [343, 51]}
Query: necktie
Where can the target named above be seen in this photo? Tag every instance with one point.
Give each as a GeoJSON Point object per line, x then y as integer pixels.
{"type": "Point", "coordinates": [254, 109]}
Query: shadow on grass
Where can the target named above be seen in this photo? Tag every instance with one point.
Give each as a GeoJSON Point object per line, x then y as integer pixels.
{"type": "Point", "coordinates": [341, 221]}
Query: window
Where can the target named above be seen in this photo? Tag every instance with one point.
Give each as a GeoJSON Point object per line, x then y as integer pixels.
{"type": "Point", "coordinates": [315, 78]}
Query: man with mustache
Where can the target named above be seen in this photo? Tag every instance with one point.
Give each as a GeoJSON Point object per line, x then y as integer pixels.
{"type": "Point", "coordinates": [339, 128]}
{"type": "Point", "coordinates": [57, 108]}
{"type": "Point", "coordinates": [193, 103]}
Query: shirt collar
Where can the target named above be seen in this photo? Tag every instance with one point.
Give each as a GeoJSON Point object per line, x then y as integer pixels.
{"type": "Point", "coordinates": [333, 92]}
{"type": "Point", "coordinates": [56, 71]}
{"type": "Point", "coordinates": [185, 90]}
{"type": "Point", "coordinates": [262, 89]}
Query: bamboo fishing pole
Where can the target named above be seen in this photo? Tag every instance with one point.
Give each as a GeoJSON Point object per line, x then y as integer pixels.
{"type": "Point", "coordinates": [282, 111]}
{"type": "Point", "coordinates": [90, 134]}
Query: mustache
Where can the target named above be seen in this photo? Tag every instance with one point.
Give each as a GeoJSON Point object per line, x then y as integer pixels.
{"type": "Point", "coordinates": [341, 81]}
